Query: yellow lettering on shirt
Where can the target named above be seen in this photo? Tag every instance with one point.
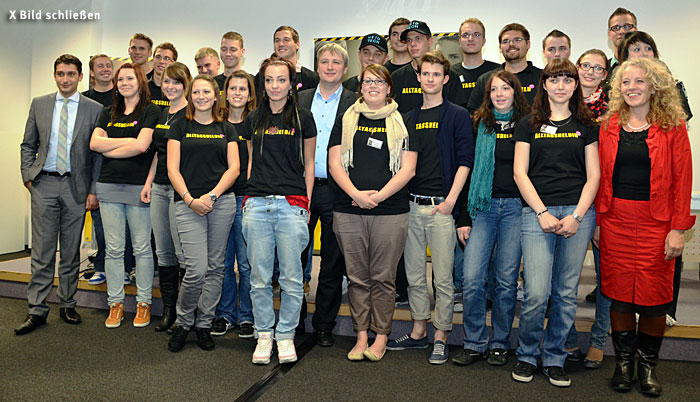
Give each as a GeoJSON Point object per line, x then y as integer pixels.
{"type": "Point", "coordinates": [412, 91]}
{"type": "Point", "coordinates": [466, 85]}
{"type": "Point", "coordinates": [211, 136]}
{"type": "Point", "coordinates": [163, 126]}
{"type": "Point", "coordinates": [557, 135]}
{"type": "Point", "coordinates": [503, 136]}
{"type": "Point", "coordinates": [526, 89]}
{"type": "Point", "coordinates": [280, 131]}
{"type": "Point", "coordinates": [426, 125]}
{"type": "Point", "coordinates": [160, 102]}
{"type": "Point", "coordinates": [371, 129]}
{"type": "Point", "coordinates": [120, 125]}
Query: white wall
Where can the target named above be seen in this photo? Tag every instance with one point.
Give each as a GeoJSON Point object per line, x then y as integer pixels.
{"type": "Point", "coordinates": [29, 49]}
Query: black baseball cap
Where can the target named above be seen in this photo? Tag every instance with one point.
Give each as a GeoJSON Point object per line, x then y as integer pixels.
{"type": "Point", "coordinates": [418, 26]}
{"type": "Point", "coordinates": [375, 40]}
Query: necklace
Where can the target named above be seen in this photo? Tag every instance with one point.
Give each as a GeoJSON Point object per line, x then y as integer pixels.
{"type": "Point", "coordinates": [638, 128]}
{"type": "Point", "coordinates": [562, 124]}
{"type": "Point", "coordinates": [170, 118]}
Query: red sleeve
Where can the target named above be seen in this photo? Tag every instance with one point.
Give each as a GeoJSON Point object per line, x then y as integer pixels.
{"type": "Point", "coordinates": [682, 175]}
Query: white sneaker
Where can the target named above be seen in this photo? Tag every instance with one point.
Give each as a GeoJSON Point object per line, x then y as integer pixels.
{"type": "Point", "coordinates": [263, 350]}
{"type": "Point", "coordinates": [670, 321]}
{"type": "Point", "coordinates": [98, 278]}
{"type": "Point", "coordinates": [458, 307]}
{"type": "Point", "coordinates": [127, 278]}
{"type": "Point", "coordinates": [286, 351]}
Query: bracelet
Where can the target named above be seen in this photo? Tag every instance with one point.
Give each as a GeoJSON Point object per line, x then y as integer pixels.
{"type": "Point", "coordinates": [184, 194]}
{"type": "Point", "coordinates": [578, 217]}
{"type": "Point", "coordinates": [190, 204]}
{"type": "Point", "coordinates": [539, 214]}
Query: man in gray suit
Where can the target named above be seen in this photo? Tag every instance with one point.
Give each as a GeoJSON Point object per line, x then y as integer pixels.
{"type": "Point", "coordinates": [60, 172]}
{"type": "Point", "coordinates": [328, 102]}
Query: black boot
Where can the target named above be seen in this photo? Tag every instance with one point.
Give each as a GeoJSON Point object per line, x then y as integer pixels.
{"type": "Point", "coordinates": [648, 356]}
{"type": "Point", "coordinates": [169, 277]}
{"type": "Point", "coordinates": [625, 343]}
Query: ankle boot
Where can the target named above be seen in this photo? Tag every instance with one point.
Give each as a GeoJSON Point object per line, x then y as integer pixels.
{"type": "Point", "coordinates": [625, 343]}
{"type": "Point", "coordinates": [648, 356]}
{"type": "Point", "coordinates": [168, 290]}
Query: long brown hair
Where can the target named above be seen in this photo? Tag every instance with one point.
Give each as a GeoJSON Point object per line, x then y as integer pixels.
{"type": "Point", "coordinates": [541, 110]}
{"type": "Point", "coordinates": [118, 104]}
{"type": "Point", "coordinates": [189, 114]}
{"type": "Point", "coordinates": [252, 98]}
{"type": "Point", "coordinates": [484, 114]}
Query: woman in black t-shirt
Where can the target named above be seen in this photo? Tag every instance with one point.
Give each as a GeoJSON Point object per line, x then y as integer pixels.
{"type": "Point", "coordinates": [123, 136]}
{"type": "Point", "coordinates": [369, 160]}
{"type": "Point", "coordinates": [202, 166]}
{"type": "Point", "coordinates": [557, 172]}
{"type": "Point", "coordinates": [281, 144]}
{"type": "Point", "coordinates": [235, 306]}
{"type": "Point", "coordinates": [159, 193]}
{"type": "Point", "coordinates": [496, 211]}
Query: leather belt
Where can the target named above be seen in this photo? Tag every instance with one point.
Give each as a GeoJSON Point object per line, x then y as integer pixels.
{"type": "Point", "coordinates": [426, 200]}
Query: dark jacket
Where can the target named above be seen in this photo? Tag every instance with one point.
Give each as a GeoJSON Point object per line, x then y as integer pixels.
{"type": "Point", "coordinates": [455, 148]}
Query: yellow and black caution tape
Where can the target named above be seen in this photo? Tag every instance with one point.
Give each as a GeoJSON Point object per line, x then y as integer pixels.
{"type": "Point", "coordinates": [337, 38]}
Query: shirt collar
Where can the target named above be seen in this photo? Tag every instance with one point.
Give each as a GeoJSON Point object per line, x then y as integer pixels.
{"type": "Point", "coordinates": [333, 95]}
{"type": "Point", "coordinates": [73, 98]}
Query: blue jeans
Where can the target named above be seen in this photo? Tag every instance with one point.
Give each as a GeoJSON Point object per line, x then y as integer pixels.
{"type": "Point", "coordinates": [269, 223]}
{"type": "Point", "coordinates": [601, 325]}
{"type": "Point", "coordinates": [114, 218]}
{"type": "Point", "coordinates": [501, 225]}
{"type": "Point", "coordinates": [168, 248]}
{"type": "Point", "coordinates": [235, 304]}
{"type": "Point", "coordinates": [100, 239]}
{"type": "Point", "coordinates": [552, 267]}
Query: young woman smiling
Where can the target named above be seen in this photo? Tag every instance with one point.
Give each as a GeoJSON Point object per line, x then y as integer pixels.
{"type": "Point", "coordinates": [159, 193]}
{"type": "Point", "coordinates": [557, 172]}
{"type": "Point", "coordinates": [369, 160]}
{"type": "Point", "coordinates": [123, 136]}
{"type": "Point", "coordinates": [202, 166]}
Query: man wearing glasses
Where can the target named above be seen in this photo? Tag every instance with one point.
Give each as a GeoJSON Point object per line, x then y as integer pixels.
{"type": "Point", "coordinates": [472, 37]}
{"type": "Point", "coordinates": [620, 22]}
{"type": "Point", "coordinates": [514, 40]}
{"type": "Point", "coordinates": [163, 56]}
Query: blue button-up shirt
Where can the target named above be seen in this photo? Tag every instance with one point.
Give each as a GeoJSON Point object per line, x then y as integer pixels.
{"type": "Point", "coordinates": [324, 112]}
{"type": "Point", "coordinates": [73, 101]}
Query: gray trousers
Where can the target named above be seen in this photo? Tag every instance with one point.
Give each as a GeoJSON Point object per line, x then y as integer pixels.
{"type": "Point", "coordinates": [203, 241]}
{"type": "Point", "coordinates": [56, 216]}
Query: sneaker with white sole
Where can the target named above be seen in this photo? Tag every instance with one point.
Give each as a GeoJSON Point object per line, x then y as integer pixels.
{"type": "Point", "coordinates": [143, 315]}
{"type": "Point", "coordinates": [557, 376]}
{"type": "Point", "coordinates": [127, 278]}
{"type": "Point", "coordinates": [263, 350]}
{"type": "Point", "coordinates": [286, 351]}
{"type": "Point", "coordinates": [98, 278]}
{"type": "Point", "coordinates": [440, 353]}
{"type": "Point", "coordinates": [221, 326]}
{"type": "Point", "coordinates": [116, 315]}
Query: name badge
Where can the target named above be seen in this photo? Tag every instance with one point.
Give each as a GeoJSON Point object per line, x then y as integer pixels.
{"type": "Point", "coordinates": [461, 78]}
{"type": "Point", "coordinates": [548, 129]}
{"type": "Point", "coordinates": [506, 125]}
{"type": "Point", "coordinates": [374, 143]}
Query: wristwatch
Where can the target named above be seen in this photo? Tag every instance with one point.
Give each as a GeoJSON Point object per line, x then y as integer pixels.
{"type": "Point", "coordinates": [576, 216]}
{"type": "Point", "coordinates": [213, 197]}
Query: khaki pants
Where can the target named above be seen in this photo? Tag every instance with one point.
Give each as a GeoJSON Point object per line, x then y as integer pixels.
{"type": "Point", "coordinates": [372, 246]}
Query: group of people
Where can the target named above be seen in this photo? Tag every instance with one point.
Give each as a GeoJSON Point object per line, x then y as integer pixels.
{"type": "Point", "coordinates": [503, 161]}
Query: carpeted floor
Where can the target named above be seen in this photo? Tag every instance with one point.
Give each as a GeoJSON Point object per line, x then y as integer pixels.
{"type": "Point", "coordinates": [90, 362]}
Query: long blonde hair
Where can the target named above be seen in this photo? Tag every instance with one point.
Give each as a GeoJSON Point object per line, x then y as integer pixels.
{"type": "Point", "coordinates": [665, 106]}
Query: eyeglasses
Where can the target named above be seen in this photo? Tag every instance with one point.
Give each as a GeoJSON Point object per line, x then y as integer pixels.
{"type": "Point", "coordinates": [377, 82]}
{"type": "Point", "coordinates": [166, 58]}
{"type": "Point", "coordinates": [589, 66]}
{"type": "Point", "coordinates": [509, 41]}
{"type": "Point", "coordinates": [625, 27]}
{"type": "Point", "coordinates": [475, 35]}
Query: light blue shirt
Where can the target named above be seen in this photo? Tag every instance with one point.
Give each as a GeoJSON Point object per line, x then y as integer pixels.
{"type": "Point", "coordinates": [73, 101]}
{"type": "Point", "coordinates": [324, 112]}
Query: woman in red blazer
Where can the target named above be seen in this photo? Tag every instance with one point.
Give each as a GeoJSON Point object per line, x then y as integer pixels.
{"type": "Point", "coordinates": [643, 209]}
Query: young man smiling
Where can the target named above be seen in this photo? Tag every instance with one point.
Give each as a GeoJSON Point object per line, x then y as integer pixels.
{"type": "Point", "coordinates": [399, 48]}
{"type": "Point", "coordinates": [373, 50]}
{"type": "Point", "coordinates": [445, 150]}
{"type": "Point", "coordinates": [140, 47]}
{"type": "Point", "coordinates": [231, 52]}
{"type": "Point", "coordinates": [164, 55]}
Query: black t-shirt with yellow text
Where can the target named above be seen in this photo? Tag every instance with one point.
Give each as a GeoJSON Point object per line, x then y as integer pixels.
{"type": "Point", "coordinates": [408, 93]}
{"type": "Point", "coordinates": [279, 169]}
{"type": "Point", "coordinates": [240, 186]}
{"type": "Point", "coordinates": [557, 158]}
{"type": "Point", "coordinates": [203, 154]}
{"type": "Point", "coordinates": [370, 170]}
{"type": "Point", "coordinates": [133, 170]}
{"type": "Point", "coordinates": [157, 97]}
{"type": "Point", "coordinates": [467, 78]}
{"type": "Point", "coordinates": [160, 143]}
{"type": "Point", "coordinates": [503, 183]}
{"type": "Point", "coordinates": [428, 179]}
